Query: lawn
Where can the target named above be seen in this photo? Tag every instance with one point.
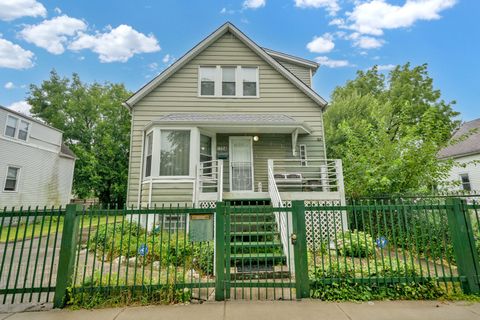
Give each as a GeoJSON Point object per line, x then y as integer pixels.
{"type": "Point", "coordinates": [49, 227]}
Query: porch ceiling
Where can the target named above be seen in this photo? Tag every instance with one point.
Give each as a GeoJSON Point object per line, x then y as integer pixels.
{"type": "Point", "coordinates": [235, 123]}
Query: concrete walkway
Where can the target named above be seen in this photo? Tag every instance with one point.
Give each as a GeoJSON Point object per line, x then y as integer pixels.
{"type": "Point", "coordinates": [275, 310]}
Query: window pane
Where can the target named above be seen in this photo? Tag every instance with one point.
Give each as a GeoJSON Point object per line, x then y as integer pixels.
{"type": "Point", "coordinates": [11, 126]}
{"type": "Point", "coordinates": [205, 145]}
{"type": "Point", "coordinates": [23, 130]}
{"type": "Point", "coordinates": [207, 88]}
{"type": "Point", "coordinates": [228, 81]}
{"type": "Point", "coordinates": [249, 80]}
{"type": "Point", "coordinates": [11, 180]}
{"type": "Point", "coordinates": [174, 153]}
{"type": "Point", "coordinates": [465, 182]}
{"type": "Point", "coordinates": [148, 154]}
{"type": "Point", "coordinates": [207, 79]}
{"type": "Point", "coordinates": [249, 89]}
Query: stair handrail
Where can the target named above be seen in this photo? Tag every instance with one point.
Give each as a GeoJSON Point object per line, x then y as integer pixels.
{"type": "Point", "coordinates": [281, 217]}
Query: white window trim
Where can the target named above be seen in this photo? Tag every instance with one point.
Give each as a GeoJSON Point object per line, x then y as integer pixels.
{"type": "Point", "coordinates": [194, 153]}
{"type": "Point", "coordinates": [214, 142]}
{"type": "Point", "coordinates": [17, 128]}
{"type": "Point", "coordinates": [218, 82]}
{"type": "Point", "coordinates": [17, 181]}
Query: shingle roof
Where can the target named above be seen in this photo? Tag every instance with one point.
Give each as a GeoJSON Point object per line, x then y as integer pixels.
{"type": "Point", "coordinates": [470, 145]}
{"type": "Point", "coordinates": [230, 117]}
{"type": "Point", "coordinates": [66, 151]}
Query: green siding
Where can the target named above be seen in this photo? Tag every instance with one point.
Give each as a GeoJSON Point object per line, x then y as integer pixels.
{"type": "Point", "coordinates": [300, 72]}
{"type": "Point", "coordinates": [179, 93]}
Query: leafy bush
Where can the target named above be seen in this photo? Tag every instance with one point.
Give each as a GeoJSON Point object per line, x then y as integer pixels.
{"type": "Point", "coordinates": [169, 248]}
{"type": "Point", "coordinates": [356, 244]}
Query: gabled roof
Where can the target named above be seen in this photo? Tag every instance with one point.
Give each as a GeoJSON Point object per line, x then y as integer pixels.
{"type": "Point", "coordinates": [468, 146]}
{"type": "Point", "coordinates": [227, 27]}
{"type": "Point", "coordinates": [293, 59]}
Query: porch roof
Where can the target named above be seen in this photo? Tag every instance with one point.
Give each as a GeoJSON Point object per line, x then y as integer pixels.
{"type": "Point", "coordinates": [235, 122]}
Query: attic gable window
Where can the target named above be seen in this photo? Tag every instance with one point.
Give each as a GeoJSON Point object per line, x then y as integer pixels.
{"type": "Point", "coordinates": [228, 81]}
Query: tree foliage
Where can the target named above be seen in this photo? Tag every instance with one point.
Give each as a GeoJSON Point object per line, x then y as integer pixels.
{"type": "Point", "coordinates": [95, 126]}
{"type": "Point", "coordinates": [388, 130]}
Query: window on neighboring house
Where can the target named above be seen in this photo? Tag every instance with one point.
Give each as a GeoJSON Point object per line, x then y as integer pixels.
{"type": "Point", "coordinates": [228, 81]}
{"type": "Point", "coordinates": [12, 179]}
{"type": "Point", "coordinates": [206, 153]}
{"type": "Point", "coordinates": [207, 81]}
{"type": "Point", "coordinates": [23, 130]}
{"type": "Point", "coordinates": [465, 182]}
{"type": "Point", "coordinates": [174, 152]}
{"type": "Point", "coordinates": [17, 128]}
{"type": "Point", "coordinates": [303, 155]}
{"type": "Point", "coordinates": [249, 81]}
{"type": "Point", "coordinates": [148, 154]}
{"type": "Point", "coordinates": [11, 128]}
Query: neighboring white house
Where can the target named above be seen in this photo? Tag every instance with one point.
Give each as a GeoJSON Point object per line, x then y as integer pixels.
{"type": "Point", "coordinates": [466, 154]}
{"type": "Point", "coordinates": [36, 168]}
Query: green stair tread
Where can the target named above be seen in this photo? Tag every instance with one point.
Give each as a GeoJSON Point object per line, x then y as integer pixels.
{"type": "Point", "coordinates": [260, 244]}
{"type": "Point", "coordinates": [259, 256]}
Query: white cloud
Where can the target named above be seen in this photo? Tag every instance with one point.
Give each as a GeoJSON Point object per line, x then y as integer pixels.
{"type": "Point", "coordinates": [166, 59]}
{"type": "Point", "coordinates": [321, 44]}
{"type": "Point", "coordinates": [9, 85]}
{"type": "Point", "coordinates": [14, 9]}
{"type": "Point", "coordinates": [372, 17]}
{"type": "Point", "coordinates": [52, 35]}
{"type": "Point", "coordinates": [330, 5]}
{"type": "Point", "coordinates": [57, 10]}
{"type": "Point", "coordinates": [385, 67]}
{"type": "Point", "coordinates": [366, 42]}
{"type": "Point", "coordinates": [227, 11]}
{"type": "Point", "coordinates": [337, 22]}
{"type": "Point", "coordinates": [13, 56]}
{"type": "Point", "coordinates": [153, 66]}
{"type": "Point", "coordinates": [21, 106]}
{"type": "Point", "coordinates": [116, 45]}
{"type": "Point", "coordinates": [327, 62]}
{"type": "Point", "coordinates": [254, 4]}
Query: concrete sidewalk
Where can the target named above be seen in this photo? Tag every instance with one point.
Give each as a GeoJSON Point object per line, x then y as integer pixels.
{"type": "Point", "coordinates": [275, 310]}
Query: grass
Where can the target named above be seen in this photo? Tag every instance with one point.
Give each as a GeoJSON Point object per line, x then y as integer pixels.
{"type": "Point", "coordinates": [37, 227]}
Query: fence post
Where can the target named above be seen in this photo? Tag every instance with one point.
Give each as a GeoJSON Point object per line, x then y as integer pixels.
{"type": "Point", "coordinates": [66, 258]}
{"type": "Point", "coordinates": [219, 252]}
{"type": "Point", "coordinates": [463, 242]}
{"type": "Point", "coordinates": [302, 284]}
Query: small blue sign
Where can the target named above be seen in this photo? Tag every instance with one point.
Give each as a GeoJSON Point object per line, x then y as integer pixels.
{"type": "Point", "coordinates": [143, 250]}
{"type": "Point", "coordinates": [381, 242]}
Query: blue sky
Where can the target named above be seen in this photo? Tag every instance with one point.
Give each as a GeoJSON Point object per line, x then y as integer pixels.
{"type": "Point", "coordinates": [131, 41]}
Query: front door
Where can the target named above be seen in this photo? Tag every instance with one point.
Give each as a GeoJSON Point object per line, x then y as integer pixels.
{"type": "Point", "coordinates": [241, 164]}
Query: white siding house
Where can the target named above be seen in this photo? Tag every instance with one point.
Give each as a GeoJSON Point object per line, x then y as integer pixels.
{"type": "Point", "coordinates": [36, 168]}
{"type": "Point", "coordinates": [465, 174]}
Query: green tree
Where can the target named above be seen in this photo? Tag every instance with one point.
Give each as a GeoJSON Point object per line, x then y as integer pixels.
{"type": "Point", "coordinates": [96, 127]}
{"type": "Point", "coordinates": [388, 130]}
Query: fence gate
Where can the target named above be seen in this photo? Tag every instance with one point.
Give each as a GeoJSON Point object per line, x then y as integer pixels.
{"type": "Point", "coordinates": [258, 249]}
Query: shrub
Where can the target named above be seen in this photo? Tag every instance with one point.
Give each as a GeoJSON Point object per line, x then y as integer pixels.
{"type": "Point", "coordinates": [356, 244]}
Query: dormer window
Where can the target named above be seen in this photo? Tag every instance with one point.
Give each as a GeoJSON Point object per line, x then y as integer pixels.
{"type": "Point", "coordinates": [228, 81]}
{"type": "Point", "coordinates": [16, 128]}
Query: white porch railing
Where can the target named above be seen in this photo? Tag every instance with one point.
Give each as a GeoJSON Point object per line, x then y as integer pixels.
{"type": "Point", "coordinates": [209, 181]}
{"type": "Point", "coordinates": [308, 175]}
{"type": "Point", "coordinates": [283, 219]}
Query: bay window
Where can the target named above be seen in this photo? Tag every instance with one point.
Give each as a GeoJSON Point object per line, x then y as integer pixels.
{"type": "Point", "coordinates": [148, 154]}
{"type": "Point", "coordinates": [174, 152]}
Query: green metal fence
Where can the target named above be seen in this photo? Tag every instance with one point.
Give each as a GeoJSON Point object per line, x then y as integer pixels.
{"type": "Point", "coordinates": [377, 243]}
{"type": "Point", "coordinates": [260, 251]}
